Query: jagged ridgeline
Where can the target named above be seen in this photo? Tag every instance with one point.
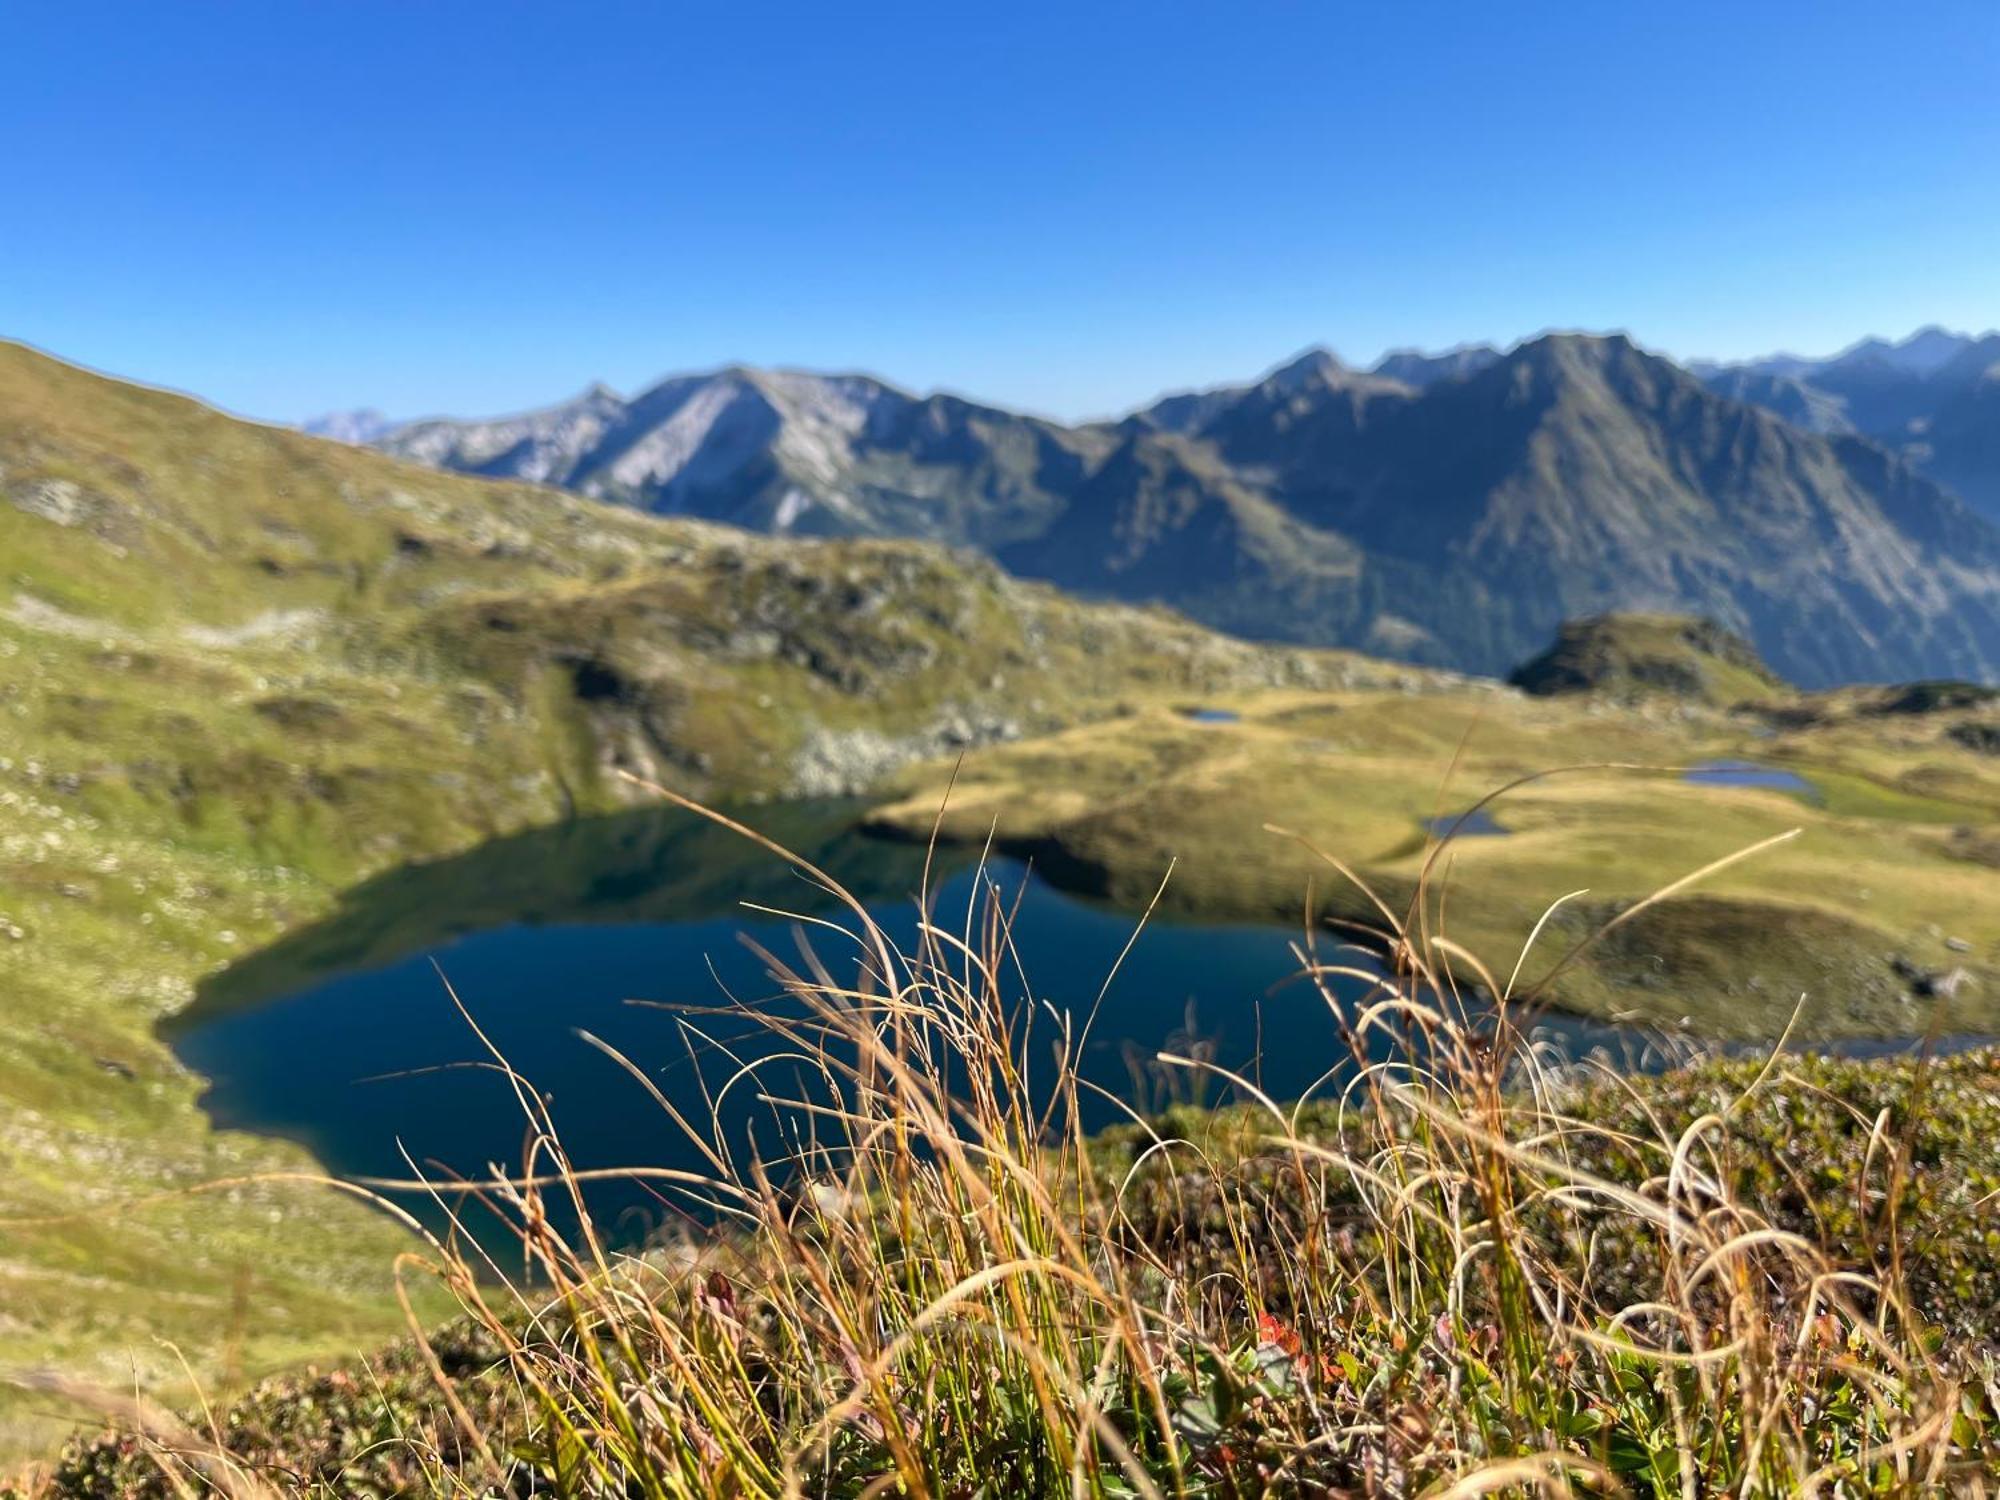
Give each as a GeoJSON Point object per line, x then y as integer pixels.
{"type": "Point", "coordinates": [1452, 510]}
{"type": "Point", "coordinates": [1933, 398]}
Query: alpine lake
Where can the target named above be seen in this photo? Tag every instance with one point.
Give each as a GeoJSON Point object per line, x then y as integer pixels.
{"type": "Point", "coordinates": [655, 932]}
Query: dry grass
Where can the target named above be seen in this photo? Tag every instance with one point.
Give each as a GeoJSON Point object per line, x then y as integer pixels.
{"type": "Point", "coordinates": [935, 1281]}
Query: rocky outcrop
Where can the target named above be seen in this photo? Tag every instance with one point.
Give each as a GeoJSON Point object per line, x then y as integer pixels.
{"type": "Point", "coordinates": [1632, 657]}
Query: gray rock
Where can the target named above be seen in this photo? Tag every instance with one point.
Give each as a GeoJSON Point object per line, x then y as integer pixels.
{"type": "Point", "coordinates": [1943, 986]}
{"type": "Point", "coordinates": [62, 501]}
{"type": "Point", "coordinates": [835, 763]}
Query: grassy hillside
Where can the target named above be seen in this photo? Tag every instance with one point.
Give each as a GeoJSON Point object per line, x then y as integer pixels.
{"type": "Point", "coordinates": [241, 669]}
{"type": "Point", "coordinates": [1633, 657]}
{"type": "Point", "coordinates": [245, 670]}
{"type": "Point", "coordinates": [1884, 911]}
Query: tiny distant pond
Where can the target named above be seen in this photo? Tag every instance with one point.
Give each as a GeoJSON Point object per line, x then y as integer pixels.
{"type": "Point", "coordinates": [1752, 773]}
{"type": "Point", "coordinates": [1212, 715]}
{"type": "Point", "coordinates": [342, 1037]}
{"type": "Point", "coordinates": [1476, 824]}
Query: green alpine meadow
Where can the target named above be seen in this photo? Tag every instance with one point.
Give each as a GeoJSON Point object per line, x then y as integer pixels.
{"type": "Point", "coordinates": [1223, 754]}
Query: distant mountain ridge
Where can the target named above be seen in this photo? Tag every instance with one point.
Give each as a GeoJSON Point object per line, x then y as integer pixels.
{"type": "Point", "coordinates": [1933, 398]}
{"type": "Point", "coordinates": [1463, 522]}
{"type": "Point", "coordinates": [1452, 508]}
{"type": "Point", "coordinates": [783, 451]}
{"type": "Point", "coordinates": [361, 426]}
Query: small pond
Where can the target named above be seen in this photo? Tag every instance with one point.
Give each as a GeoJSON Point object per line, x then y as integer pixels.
{"type": "Point", "coordinates": [1476, 824]}
{"type": "Point", "coordinates": [1211, 715]}
{"type": "Point", "coordinates": [1754, 774]}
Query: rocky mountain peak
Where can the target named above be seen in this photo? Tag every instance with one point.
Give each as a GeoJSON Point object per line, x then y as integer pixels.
{"type": "Point", "coordinates": [1413, 367]}
{"type": "Point", "coordinates": [1316, 366]}
{"type": "Point", "coordinates": [359, 427]}
{"type": "Point", "coordinates": [1923, 353]}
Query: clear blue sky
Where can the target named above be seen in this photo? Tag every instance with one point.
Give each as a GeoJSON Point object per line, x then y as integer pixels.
{"type": "Point", "coordinates": [432, 206]}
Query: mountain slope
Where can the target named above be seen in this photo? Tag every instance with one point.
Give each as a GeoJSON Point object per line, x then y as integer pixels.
{"type": "Point", "coordinates": [1929, 398]}
{"type": "Point", "coordinates": [1805, 406]}
{"type": "Point", "coordinates": [242, 668]}
{"type": "Point", "coordinates": [1576, 475]}
{"type": "Point", "coordinates": [1960, 445]}
{"type": "Point", "coordinates": [1165, 518]}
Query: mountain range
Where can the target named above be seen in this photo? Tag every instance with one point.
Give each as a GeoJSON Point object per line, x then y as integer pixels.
{"type": "Point", "coordinates": [1451, 509]}
{"type": "Point", "coordinates": [786, 451]}
{"type": "Point", "coordinates": [1934, 399]}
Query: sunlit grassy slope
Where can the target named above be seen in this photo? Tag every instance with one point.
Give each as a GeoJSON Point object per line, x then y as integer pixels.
{"type": "Point", "coordinates": [1890, 886]}
{"type": "Point", "coordinates": [241, 669]}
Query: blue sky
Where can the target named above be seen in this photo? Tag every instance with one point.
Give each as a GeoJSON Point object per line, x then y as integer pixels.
{"type": "Point", "coordinates": [431, 206]}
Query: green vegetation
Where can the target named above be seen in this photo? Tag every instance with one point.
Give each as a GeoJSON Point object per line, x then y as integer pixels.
{"type": "Point", "coordinates": [245, 671]}
{"type": "Point", "coordinates": [1883, 912]}
{"type": "Point", "coordinates": [242, 669]}
{"type": "Point", "coordinates": [1634, 657]}
{"type": "Point", "coordinates": [1464, 1272]}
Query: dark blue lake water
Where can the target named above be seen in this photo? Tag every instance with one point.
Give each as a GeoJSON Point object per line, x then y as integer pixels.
{"type": "Point", "coordinates": [344, 1037]}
